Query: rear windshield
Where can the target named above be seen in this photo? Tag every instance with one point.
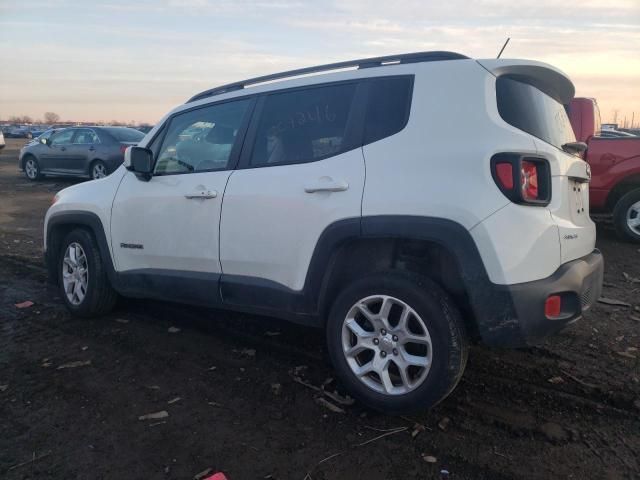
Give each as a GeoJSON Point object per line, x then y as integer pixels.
{"type": "Point", "coordinates": [125, 134]}
{"type": "Point", "coordinates": [533, 111]}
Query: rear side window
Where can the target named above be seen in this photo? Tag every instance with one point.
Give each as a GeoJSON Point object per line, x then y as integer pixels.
{"type": "Point", "coordinates": [533, 111]}
{"type": "Point", "coordinates": [388, 107]}
{"type": "Point", "coordinates": [122, 134]}
{"type": "Point", "coordinates": [304, 125]}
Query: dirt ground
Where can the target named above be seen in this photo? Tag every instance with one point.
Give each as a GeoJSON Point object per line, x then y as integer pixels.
{"type": "Point", "coordinates": [232, 386]}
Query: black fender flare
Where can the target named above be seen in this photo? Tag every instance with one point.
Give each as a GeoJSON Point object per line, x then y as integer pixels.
{"type": "Point", "coordinates": [78, 218]}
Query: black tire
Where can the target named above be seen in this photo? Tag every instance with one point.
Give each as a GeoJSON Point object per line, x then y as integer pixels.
{"type": "Point", "coordinates": [92, 168]}
{"type": "Point", "coordinates": [621, 214]}
{"type": "Point", "coordinates": [100, 297]}
{"type": "Point", "coordinates": [445, 326]}
{"type": "Point", "coordinates": [31, 160]}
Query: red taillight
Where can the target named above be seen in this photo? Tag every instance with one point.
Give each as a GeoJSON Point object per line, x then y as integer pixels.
{"type": "Point", "coordinates": [529, 181]}
{"type": "Point", "coordinates": [504, 172]}
{"type": "Point", "coordinates": [553, 306]}
{"type": "Point", "coordinates": [123, 148]}
{"type": "Point", "coordinates": [522, 179]}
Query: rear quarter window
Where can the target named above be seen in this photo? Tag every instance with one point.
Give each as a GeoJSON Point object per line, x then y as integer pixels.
{"type": "Point", "coordinates": [125, 134]}
{"type": "Point", "coordinates": [388, 107]}
{"type": "Point", "coordinates": [533, 111]}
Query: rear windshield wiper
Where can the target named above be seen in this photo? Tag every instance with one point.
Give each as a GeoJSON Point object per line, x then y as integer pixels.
{"type": "Point", "coordinates": [574, 147]}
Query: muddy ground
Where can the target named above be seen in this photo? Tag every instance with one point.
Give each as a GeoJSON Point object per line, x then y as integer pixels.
{"type": "Point", "coordinates": [569, 408]}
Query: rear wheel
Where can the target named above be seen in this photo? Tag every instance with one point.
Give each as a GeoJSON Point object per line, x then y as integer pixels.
{"type": "Point", "coordinates": [98, 170]}
{"type": "Point", "coordinates": [397, 341]}
{"type": "Point", "coordinates": [83, 281]}
{"type": "Point", "coordinates": [626, 216]}
{"type": "Point", "coordinates": [32, 169]}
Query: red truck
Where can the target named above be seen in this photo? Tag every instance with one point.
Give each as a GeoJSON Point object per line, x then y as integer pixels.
{"type": "Point", "coordinates": [615, 169]}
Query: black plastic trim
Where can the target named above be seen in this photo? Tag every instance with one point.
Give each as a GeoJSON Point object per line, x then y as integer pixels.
{"type": "Point", "coordinates": [515, 194]}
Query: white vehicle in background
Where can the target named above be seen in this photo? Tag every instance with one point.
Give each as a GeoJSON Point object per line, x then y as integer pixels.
{"type": "Point", "coordinates": [346, 201]}
{"type": "Point", "coordinates": [2, 144]}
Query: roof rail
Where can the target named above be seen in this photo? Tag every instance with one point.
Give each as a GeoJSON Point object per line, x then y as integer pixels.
{"type": "Point", "coordinates": [362, 63]}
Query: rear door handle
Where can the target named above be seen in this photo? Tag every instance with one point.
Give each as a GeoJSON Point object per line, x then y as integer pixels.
{"type": "Point", "coordinates": [326, 184]}
{"type": "Point", "coordinates": [202, 195]}
{"type": "Point", "coordinates": [92, 149]}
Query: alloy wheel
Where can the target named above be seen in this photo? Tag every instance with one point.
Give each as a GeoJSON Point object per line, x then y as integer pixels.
{"type": "Point", "coordinates": [75, 273]}
{"type": "Point", "coordinates": [31, 168]}
{"type": "Point", "coordinates": [387, 345]}
{"type": "Point", "coordinates": [633, 217]}
{"type": "Point", "coordinates": [98, 171]}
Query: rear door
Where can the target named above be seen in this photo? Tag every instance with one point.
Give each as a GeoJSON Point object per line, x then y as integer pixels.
{"type": "Point", "coordinates": [83, 144]}
{"type": "Point", "coordinates": [302, 170]}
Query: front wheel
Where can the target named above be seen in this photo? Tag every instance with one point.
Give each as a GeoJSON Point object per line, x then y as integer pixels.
{"type": "Point", "coordinates": [397, 341]}
{"type": "Point", "coordinates": [83, 281]}
{"type": "Point", "coordinates": [32, 169]}
{"type": "Point", "coordinates": [626, 216]}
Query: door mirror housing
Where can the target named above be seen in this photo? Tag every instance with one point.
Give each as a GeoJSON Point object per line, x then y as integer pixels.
{"type": "Point", "coordinates": [46, 141]}
{"type": "Point", "coordinates": [139, 160]}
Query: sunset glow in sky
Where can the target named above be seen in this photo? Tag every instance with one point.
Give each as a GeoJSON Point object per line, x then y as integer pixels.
{"type": "Point", "coordinates": [133, 60]}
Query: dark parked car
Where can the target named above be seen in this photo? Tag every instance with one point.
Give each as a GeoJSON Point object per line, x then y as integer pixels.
{"type": "Point", "coordinates": [92, 152]}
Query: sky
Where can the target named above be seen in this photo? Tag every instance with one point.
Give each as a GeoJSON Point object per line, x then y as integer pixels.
{"type": "Point", "coordinates": [134, 60]}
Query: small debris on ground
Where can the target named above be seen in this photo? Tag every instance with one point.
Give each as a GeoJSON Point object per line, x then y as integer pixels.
{"type": "Point", "coordinates": [613, 301]}
{"type": "Point", "coordinates": [328, 405]}
{"type": "Point", "coordinates": [122, 320]}
{"type": "Point", "coordinates": [418, 428]}
{"type": "Point", "coordinates": [629, 278]}
{"type": "Point", "coordinates": [25, 304]}
{"type": "Point", "coordinates": [276, 388]}
{"type": "Point", "coordinates": [444, 423]}
{"type": "Point", "coordinates": [153, 387]}
{"type": "Point", "coordinates": [627, 355]}
{"type": "Point", "coordinates": [212, 368]}
{"type": "Point", "coordinates": [248, 352]}
{"type": "Point", "coordinates": [429, 458]}
{"type": "Point", "coordinates": [154, 416]}
{"type": "Point", "coordinates": [3, 387]}
{"type": "Point", "coordinates": [174, 400]}
{"type": "Point", "coordinates": [85, 348]}
{"type": "Point", "coordinates": [635, 319]}
{"type": "Point", "coordinates": [556, 380]}
{"type": "Point", "coordinates": [202, 474]}
{"type": "Point", "coordinates": [272, 334]}
{"type": "Point", "coordinates": [79, 363]}
{"type": "Point", "coordinates": [173, 330]}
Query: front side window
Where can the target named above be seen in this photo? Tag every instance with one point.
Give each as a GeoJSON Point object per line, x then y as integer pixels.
{"type": "Point", "coordinates": [85, 137]}
{"type": "Point", "coordinates": [202, 139]}
{"type": "Point", "coordinates": [533, 111]}
{"type": "Point", "coordinates": [62, 138]}
{"type": "Point", "coordinates": [303, 125]}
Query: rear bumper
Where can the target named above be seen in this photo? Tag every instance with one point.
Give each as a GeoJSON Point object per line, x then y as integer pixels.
{"type": "Point", "coordinates": [579, 283]}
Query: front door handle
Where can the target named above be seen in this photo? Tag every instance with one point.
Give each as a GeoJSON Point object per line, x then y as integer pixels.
{"type": "Point", "coordinates": [202, 195]}
{"type": "Point", "coordinates": [63, 149]}
{"type": "Point", "coordinates": [326, 184]}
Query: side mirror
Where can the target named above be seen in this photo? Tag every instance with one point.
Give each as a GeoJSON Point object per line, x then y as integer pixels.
{"type": "Point", "coordinates": [139, 160]}
{"type": "Point", "coordinates": [46, 141]}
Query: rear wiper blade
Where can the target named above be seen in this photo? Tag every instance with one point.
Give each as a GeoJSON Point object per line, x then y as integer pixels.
{"type": "Point", "coordinates": [574, 147]}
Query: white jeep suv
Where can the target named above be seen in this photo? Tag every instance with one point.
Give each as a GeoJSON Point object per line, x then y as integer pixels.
{"type": "Point", "coordinates": [409, 205]}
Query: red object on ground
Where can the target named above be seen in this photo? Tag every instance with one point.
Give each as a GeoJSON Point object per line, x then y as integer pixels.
{"type": "Point", "coordinates": [217, 476]}
{"type": "Point", "coordinates": [26, 304]}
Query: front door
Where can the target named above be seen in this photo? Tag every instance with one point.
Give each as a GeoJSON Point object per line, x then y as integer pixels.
{"type": "Point", "coordinates": [56, 155]}
{"type": "Point", "coordinates": [164, 231]}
